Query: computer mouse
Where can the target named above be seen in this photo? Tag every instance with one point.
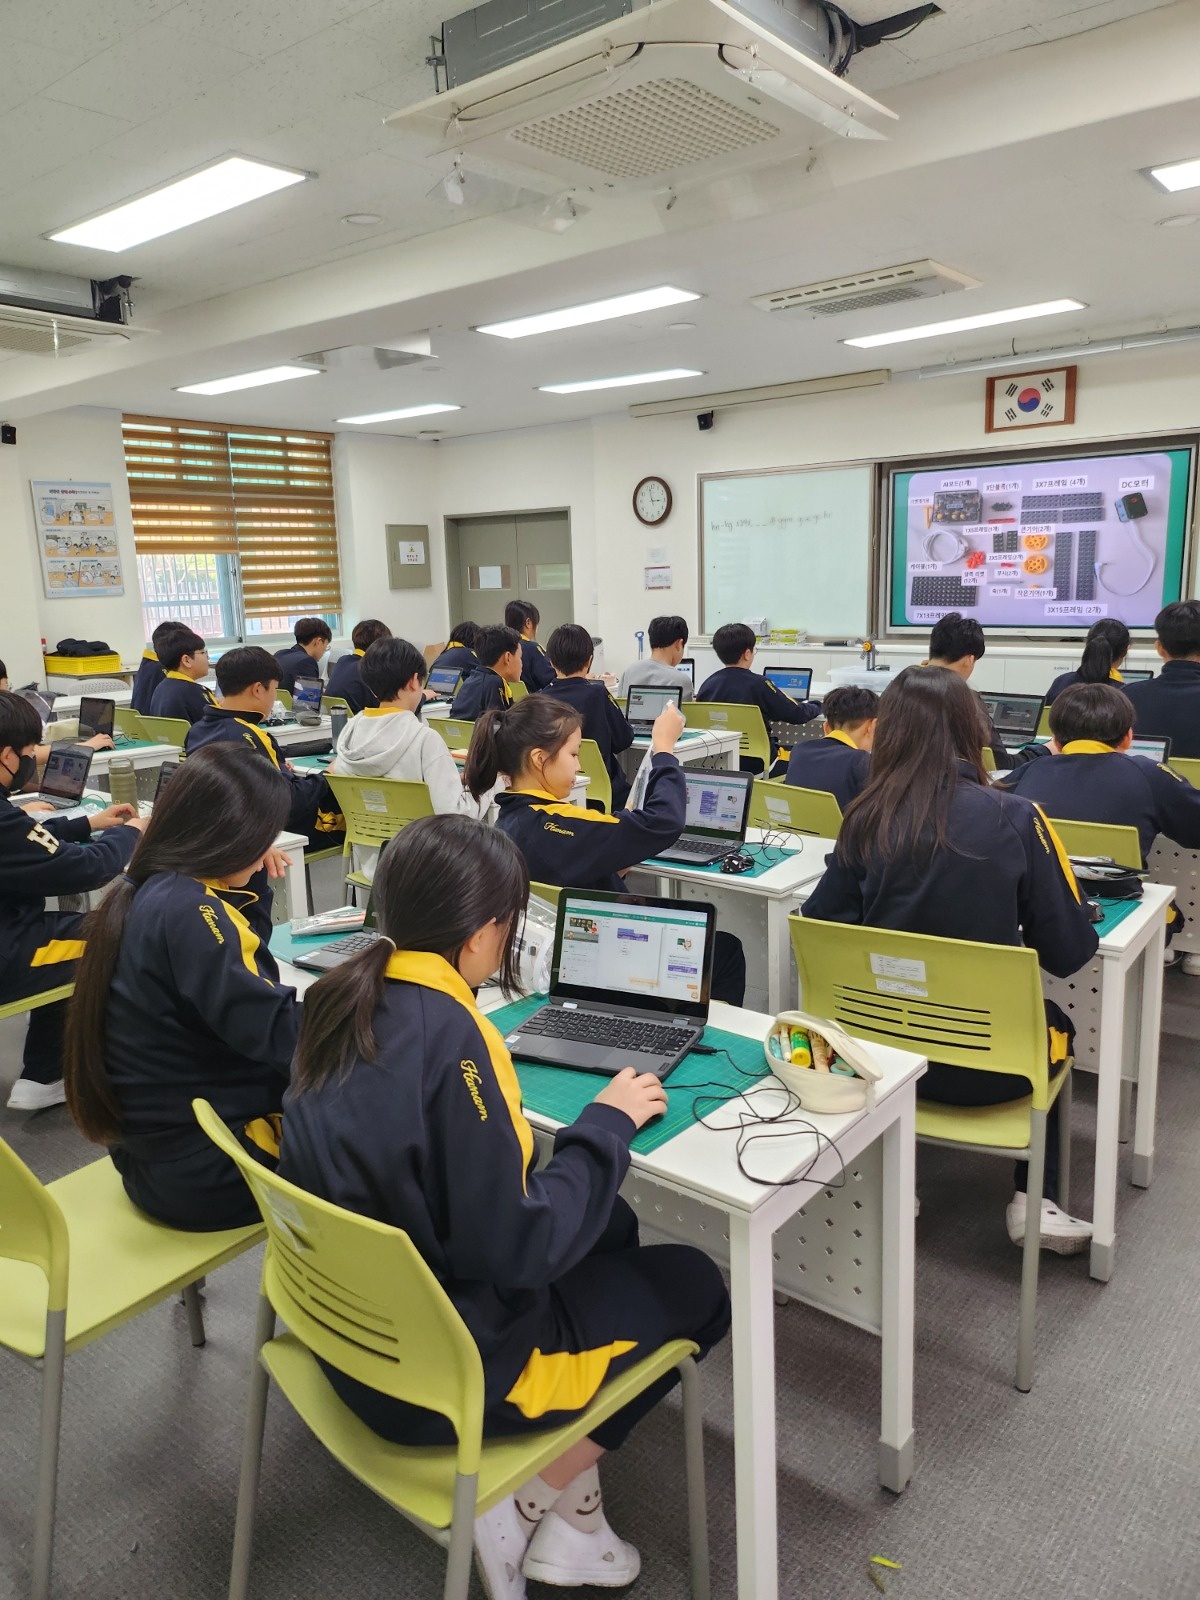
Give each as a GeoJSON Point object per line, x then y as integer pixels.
{"type": "Point", "coordinates": [1095, 912]}
{"type": "Point", "coordinates": [738, 863]}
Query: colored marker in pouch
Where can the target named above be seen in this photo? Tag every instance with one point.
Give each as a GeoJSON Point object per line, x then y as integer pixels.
{"type": "Point", "coordinates": [801, 1051]}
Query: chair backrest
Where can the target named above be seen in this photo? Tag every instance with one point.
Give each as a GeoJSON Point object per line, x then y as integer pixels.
{"type": "Point", "coordinates": [591, 764]}
{"type": "Point", "coordinates": [284, 696]}
{"type": "Point", "coordinates": [1043, 727]}
{"type": "Point", "coordinates": [456, 731]}
{"type": "Point", "coordinates": [778, 805]}
{"type": "Point", "coordinates": [101, 685]}
{"type": "Point", "coordinates": [166, 730]}
{"type": "Point", "coordinates": [1186, 767]}
{"type": "Point", "coordinates": [517, 691]}
{"type": "Point", "coordinates": [376, 809]}
{"type": "Point", "coordinates": [746, 720]}
{"type": "Point", "coordinates": [129, 722]}
{"type": "Point", "coordinates": [432, 652]}
{"type": "Point", "coordinates": [32, 1228]}
{"type": "Point", "coordinates": [987, 758]}
{"type": "Point", "coordinates": [334, 702]}
{"type": "Point", "coordinates": [546, 891]}
{"type": "Point", "coordinates": [952, 1000]}
{"type": "Point", "coordinates": [358, 1295]}
{"type": "Point", "coordinates": [1100, 839]}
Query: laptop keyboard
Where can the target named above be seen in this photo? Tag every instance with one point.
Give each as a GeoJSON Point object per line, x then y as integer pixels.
{"type": "Point", "coordinates": [616, 1033]}
{"type": "Point", "coordinates": [696, 847]}
{"type": "Point", "coordinates": [352, 943]}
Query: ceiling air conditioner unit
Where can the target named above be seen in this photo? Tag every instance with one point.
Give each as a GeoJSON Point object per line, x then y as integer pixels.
{"type": "Point", "coordinates": [49, 314]}
{"type": "Point", "coordinates": [859, 291]}
{"type": "Point", "coordinates": [681, 90]}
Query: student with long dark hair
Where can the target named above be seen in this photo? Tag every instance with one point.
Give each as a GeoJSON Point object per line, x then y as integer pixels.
{"type": "Point", "coordinates": [178, 995]}
{"type": "Point", "coordinates": [535, 745]}
{"type": "Point", "coordinates": [1104, 652]}
{"type": "Point", "coordinates": [405, 1108]}
{"type": "Point", "coordinates": [930, 847]}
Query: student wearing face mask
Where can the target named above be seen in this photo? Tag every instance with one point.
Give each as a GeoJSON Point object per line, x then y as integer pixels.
{"type": "Point", "coordinates": [41, 855]}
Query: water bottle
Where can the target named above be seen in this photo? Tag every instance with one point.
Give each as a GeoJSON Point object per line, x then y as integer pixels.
{"type": "Point", "coordinates": [122, 782]}
{"type": "Point", "coordinates": [337, 723]}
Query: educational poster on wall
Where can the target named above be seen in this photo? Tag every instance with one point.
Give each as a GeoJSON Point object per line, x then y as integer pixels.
{"type": "Point", "coordinates": [1044, 544]}
{"type": "Point", "coordinates": [77, 539]}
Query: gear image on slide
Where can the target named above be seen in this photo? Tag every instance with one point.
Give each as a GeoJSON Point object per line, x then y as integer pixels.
{"type": "Point", "coordinates": [1036, 565]}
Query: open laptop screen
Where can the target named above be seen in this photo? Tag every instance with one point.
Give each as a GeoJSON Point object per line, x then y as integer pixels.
{"type": "Point", "coordinates": [306, 696]}
{"type": "Point", "coordinates": [95, 716]}
{"type": "Point", "coordinates": [717, 804]}
{"type": "Point", "coordinates": [633, 951]}
{"type": "Point", "coordinates": [66, 772]}
{"type": "Point", "coordinates": [794, 681]}
{"type": "Point", "coordinates": [1130, 675]}
{"type": "Point", "coordinates": [1157, 749]}
{"type": "Point", "coordinates": [1014, 714]}
{"type": "Point", "coordinates": [644, 702]}
{"type": "Point", "coordinates": [688, 665]}
{"type": "Point", "coordinates": [444, 680]}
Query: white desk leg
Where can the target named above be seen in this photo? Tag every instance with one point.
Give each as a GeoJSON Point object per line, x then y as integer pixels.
{"type": "Point", "coordinates": [751, 1265]}
{"type": "Point", "coordinates": [1108, 1119]}
{"type": "Point", "coordinates": [296, 880]}
{"type": "Point", "coordinates": [899, 1188]}
{"type": "Point", "coordinates": [1148, 1040]}
{"type": "Point", "coordinates": [779, 957]}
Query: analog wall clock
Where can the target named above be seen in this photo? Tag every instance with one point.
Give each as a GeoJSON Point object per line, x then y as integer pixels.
{"type": "Point", "coordinates": [652, 501]}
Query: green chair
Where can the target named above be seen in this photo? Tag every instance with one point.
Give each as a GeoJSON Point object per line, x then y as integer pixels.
{"type": "Point", "coordinates": [78, 1259]}
{"type": "Point", "coordinates": [284, 697]}
{"type": "Point", "coordinates": [1187, 768]}
{"type": "Point", "coordinates": [546, 891]}
{"type": "Point", "coordinates": [375, 810]}
{"type": "Point", "coordinates": [975, 1006]}
{"type": "Point", "coordinates": [355, 1293]}
{"type": "Point", "coordinates": [165, 730]}
{"type": "Point", "coordinates": [784, 807]}
{"type": "Point", "coordinates": [454, 731]}
{"type": "Point", "coordinates": [517, 691]}
{"type": "Point", "coordinates": [746, 720]}
{"type": "Point", "coordinates": [1043, 726]}
{"type": "Point", "coordinates": [127, 721]}
{"type": "Point", "coordinates": [1100, 839]}
{"type": "Point", "coordinates": [14, 1008]}
{"type": "Point", "coordinates": [987, 758]}
{"type": "Point", "coordinates": [335, 702]}
{"type": "Point", "coordinates": [591, 764]}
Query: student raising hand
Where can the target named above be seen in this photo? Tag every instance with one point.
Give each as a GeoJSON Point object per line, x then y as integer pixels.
{"type": "Point", "coordinates": [668, 726]}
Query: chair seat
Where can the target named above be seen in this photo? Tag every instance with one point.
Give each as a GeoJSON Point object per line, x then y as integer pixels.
{"type": "Point", "coordinates": [122, 1263]}
{"type": "Point", "coordinates": [1006, 1126]}
{"type": "Point", "coordinates": [324, 853]}
{"type": "Point", "coordinates": [420, 1481]}
{"type": "Point", "coordinates": [14, 1008]}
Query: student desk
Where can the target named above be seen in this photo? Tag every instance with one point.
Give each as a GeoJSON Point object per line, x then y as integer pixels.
{"type": "Point", "coordinates": [67, 705]}
{"type": "Point", "coordinates": [697, 747]}
{"type": "Point", "coordinates": [754, 907]}
{"type": "Point", "coordinates": [691, 1190]}
{"type": "Point", "coordinates": [1172, 864]}
{"type": "Point", "coordinates": [289, 734]}
{"type": "Point", "coordinates": [147, 761]}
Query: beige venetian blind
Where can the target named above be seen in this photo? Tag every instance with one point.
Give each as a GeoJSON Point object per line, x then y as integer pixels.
{"type": "Point", "coordinates": [262, 494]}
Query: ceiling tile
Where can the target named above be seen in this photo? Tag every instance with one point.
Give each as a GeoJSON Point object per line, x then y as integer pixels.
{"type": "Point", "coordinates": [147, 72]}
{"type": "Point", "coordinates": [77, 33]}
{"type": "Point", "coordinates": [43, 134]}
{"type": "Point", "coordinates": [26, 69]}
{"type": "Point", "coordinates": [262, 27]}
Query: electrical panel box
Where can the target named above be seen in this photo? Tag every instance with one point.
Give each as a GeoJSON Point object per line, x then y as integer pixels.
{"type": "Point", "coordinates": [408, 555]}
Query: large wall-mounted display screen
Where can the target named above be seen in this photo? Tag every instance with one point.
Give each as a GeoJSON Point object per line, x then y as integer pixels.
{"type": "Point", "coordinates": [1046, 544]}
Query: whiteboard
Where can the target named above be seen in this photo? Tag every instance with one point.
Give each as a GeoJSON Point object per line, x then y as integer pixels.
{"type": "Point", "coordinates": [793, 546]}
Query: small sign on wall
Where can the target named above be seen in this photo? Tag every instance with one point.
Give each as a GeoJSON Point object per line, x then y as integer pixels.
{"type": "Point", "coordinates": [408, 555]}
{"type": "Point", "coordinates": [77, 539]}
{"type": "Point", "coordinates": [1041, 399]}
{"type": "Point", "coordinates": [657, 577]}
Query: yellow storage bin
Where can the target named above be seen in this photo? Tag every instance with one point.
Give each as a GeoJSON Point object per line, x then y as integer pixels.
{"type": "Point", "coordinates": [83, 666]}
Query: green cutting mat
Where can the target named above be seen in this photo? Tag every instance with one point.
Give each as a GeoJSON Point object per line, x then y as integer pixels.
{"type": "Point", "coordinates": [1115, 911]}
{"type": "Point", "coordinates": [764, 857]}
{"type": "Point", "coordinates": [285, 948]}
{"type": "Point", "coordinates": [562, 1094]}
{"type": "Point", "coordinates": [316, 764]}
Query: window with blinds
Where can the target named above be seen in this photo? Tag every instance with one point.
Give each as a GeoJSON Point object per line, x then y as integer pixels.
{"type": "Point", "coordinates": [238, 522]}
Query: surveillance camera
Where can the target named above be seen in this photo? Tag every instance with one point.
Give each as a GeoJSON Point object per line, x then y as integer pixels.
{"type": "Point", "coordinates": [704, 420]}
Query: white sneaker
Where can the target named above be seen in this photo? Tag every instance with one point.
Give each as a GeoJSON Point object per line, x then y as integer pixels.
{"type": "Point", "coordinates": [28, 1095]}
{"type": "Point", "coordinates": [562, 1554]}
{"type": "Point", "coordinates": [501, 1539]}
{"type": "Point", "coordinates": [1065, 1235]}
{"type": "Point", "coordinates": [1191, 965]}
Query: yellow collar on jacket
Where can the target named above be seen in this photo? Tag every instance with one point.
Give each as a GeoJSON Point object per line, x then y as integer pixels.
{"type": "Point", "coordinates": [1087, 747]}
{"type": "Point", "coordinates": [842, 738]}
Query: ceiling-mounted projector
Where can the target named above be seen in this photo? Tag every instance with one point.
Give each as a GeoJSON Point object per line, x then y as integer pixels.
{"type": "Point", "coordinates": [676, 90]}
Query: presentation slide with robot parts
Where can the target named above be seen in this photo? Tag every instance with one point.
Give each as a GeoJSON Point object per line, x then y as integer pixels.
{"type": "Point", "coordinates": [1043, 544]}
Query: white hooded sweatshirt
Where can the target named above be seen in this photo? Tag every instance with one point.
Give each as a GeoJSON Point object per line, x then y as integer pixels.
{"type": "Point", "coordinates": [380, 743]}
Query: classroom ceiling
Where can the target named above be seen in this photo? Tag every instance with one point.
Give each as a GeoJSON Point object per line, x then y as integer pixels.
{"type": "Point", "coordinates": [104, 100]}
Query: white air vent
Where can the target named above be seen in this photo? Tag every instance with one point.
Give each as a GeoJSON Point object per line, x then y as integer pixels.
{"type": "Point", "coordinates": [692, 87]}
{"type": "Point", "coordinates": [858, 291]}
{"type": "Point", "coordinates": [45, 333]}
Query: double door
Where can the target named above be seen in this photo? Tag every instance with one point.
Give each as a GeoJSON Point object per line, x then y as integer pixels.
{"type": "Point", "coordinates": [492, 560]}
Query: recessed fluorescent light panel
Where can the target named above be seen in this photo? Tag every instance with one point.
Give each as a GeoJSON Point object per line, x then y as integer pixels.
{"type": "Point", "coordinates": [218, 188]}
{"type": "Point", "coordinates": [619, 383]}
{"type": "Point", "coordinates": [986, 319]}
{"type": "Point", "coordinates": [623, 305]}
{"type": "Point", "coordinates": [400, 416]}
{"type": "Point", "coordinates": [249, 380]}
{"type": "Point", "coordinates": [1178, 175]}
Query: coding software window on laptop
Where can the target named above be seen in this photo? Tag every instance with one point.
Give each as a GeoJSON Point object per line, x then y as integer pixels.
{"type": "Point", "coordinates": [645, 703]}
{"type": "Point", "coordinates": [718, 804]}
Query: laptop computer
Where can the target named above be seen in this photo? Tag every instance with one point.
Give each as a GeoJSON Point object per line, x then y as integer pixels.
{"type": "Point", "coordinates": [644, 702]}
{"type": "Point", "coordinates": [629, 984]}
{"type": "Point", "coordinates": [1157, 749]}
{"type": "Point", "coordinates": [64, 778]}
{"type": "Point", "coordinates": [718, 804]}
{"type": "Point", "coordinates": [1014, 716]}
{"type": "Point", "coordinates": [95, 716]}
{"type": "Point", "coordinates": [687, 664]}
{"type": "Point", "coordinates": [306, 697]}
{"type": "Point", "coordinates": [444, 682]}
{"type": "Point", "coordinates": [332, 955]}
{"type": "Point", "coordinates": [1131, 675]}
{"type": "Point", "coordinates": [794, 681]}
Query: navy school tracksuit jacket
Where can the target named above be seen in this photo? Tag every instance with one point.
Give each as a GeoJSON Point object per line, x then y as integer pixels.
{"type": "Point", "coordinates": [603, 721]}
{"type": "Point", "coordinates": [313, 809]}
{"type": "Point", "coordinates": [738, 686]}
{"type": "Point", "coordinates": [576, 848]}
{"type": "Point", "coordinates": [196, 1008]}
{"type": "Point", "coordinates": [1005, 881]}
{"type": "Point", "coordinates": [1067, 680]}
{"type": "Point", "coordinates": [147, 678]}
{"type": "Point", "coordinates": [458, 656]}
{"type": "Point", "coordinates": [182, 697]}
{"type": "Point", "coordinates": [295, 662]}
{"type": "Point", "coordinates": [1169, 706]}
{"type": "Point", "coordinates": [536, 671]}
{"type": "Point", "coordinates": [345, 683]}
{"type": "Point", "coordinates": [484, 690]}
{"type": "Point", "coordinates": [834, 763]}
{"type": "Point", "coordinates": [42, 855]}
{"type": "Point", "coordinates": [430, 1137]}
{"type": "Point", "coordinates": [1092, 782]}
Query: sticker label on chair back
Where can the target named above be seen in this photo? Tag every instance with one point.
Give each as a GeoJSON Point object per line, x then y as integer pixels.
{"type": "Point", "coordinates": [897, 967]}
{"type": "Point", "coordinates": [914, 991]}
{"type": "Point", "coordinates": [375, 801]}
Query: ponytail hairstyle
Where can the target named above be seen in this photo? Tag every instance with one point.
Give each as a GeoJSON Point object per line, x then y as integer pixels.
{"type": "Point", "coordinates": [220, 813]}
{"type": "Point", "coordinates": [929, 723]}
{"type": "Point", "coordinates": [438, 882]}
{"type": "Point", "coordinates": [503, 739]}
{"type": "Point", "coordinates": [1107, 644]}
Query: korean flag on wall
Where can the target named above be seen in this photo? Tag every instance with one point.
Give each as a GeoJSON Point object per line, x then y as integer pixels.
{"type": "Point", "coordinates": [1031, 399]}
